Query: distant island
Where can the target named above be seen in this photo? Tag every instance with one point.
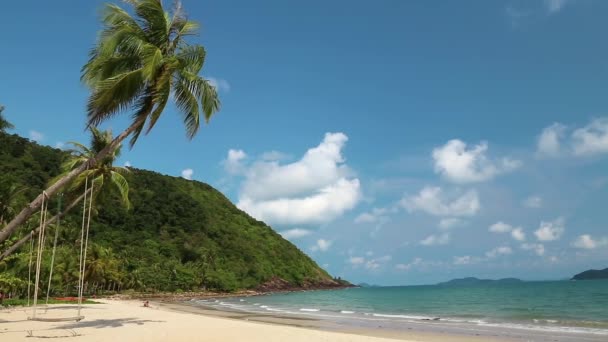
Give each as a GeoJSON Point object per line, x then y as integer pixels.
{"type": "Point", "coordinates": [476, 281]}
{"type": "Point", "coordinates": [367, 285]}
{"type": "Point", "coordinates": [592, 275]}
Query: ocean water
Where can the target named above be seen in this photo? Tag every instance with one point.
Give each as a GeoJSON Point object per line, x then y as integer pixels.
{"type": "Point", "coordinates": [557, 306]}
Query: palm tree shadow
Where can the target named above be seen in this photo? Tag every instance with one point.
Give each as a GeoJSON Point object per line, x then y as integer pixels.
{"type": "Point", "coordinates": [107, 323]}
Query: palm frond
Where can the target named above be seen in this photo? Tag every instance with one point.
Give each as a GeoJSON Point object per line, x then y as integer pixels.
{"type": "Point", "coordinates": [122, 186]}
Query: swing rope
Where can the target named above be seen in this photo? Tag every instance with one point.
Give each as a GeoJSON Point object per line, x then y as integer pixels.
{"type": "Point", "coordinates": [29, 272]}
{"type": "Point", "coordinates": [43, 212]}
{"type": "Point", "coordinates": [84, 240]}
{"type": "Point", "coordinates": [57, 226]}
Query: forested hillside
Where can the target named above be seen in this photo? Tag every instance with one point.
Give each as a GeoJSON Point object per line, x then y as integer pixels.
{"type": "Point", "coordinates": [178, 235]}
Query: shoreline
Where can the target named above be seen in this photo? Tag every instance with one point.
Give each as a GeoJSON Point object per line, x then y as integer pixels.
{"type": "Point", "coordinates": [422, 329]}
{"type": "Point", "coordinates": [188, 321]}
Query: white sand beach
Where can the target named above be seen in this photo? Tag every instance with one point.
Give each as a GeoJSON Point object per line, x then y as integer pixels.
{"type": "Point", "coordinates": [115, 320]}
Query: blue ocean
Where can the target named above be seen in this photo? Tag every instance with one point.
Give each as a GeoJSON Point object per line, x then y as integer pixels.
{"type": "Point", "coordinates": [558, 306]}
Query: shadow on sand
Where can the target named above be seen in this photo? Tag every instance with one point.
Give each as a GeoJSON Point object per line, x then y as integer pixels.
{"type": "Point", "coordinates": [106, 323]}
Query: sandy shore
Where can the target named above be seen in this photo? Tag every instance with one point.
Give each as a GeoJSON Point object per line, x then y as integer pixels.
{"type": "Point", "coordinates": [114, 320]}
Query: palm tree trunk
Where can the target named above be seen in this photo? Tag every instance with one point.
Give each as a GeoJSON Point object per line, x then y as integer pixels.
{"type": "Point", "coordinates": [26, 238]}
{"type": "Point", "coordinates": [53, 189]}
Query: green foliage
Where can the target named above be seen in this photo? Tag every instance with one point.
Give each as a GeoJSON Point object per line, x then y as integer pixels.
{"type": "Point", "coordinates": [179, 235]}
{"type": "Point", "coordinates": [141, 62]}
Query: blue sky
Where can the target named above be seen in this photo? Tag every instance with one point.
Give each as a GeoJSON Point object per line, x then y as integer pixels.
{"type": "Point", "coordinates": [396, 142]}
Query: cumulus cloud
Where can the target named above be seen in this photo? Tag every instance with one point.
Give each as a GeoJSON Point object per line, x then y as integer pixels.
{"type": "Point", "coordinates": [449, 223]}
{"type": "Point", "coordinates": [432, 201]}
{"type": "Point", "coordinates": [549, 140]}
{"type": "Point", "coordinates": [498, 251]}
{"type": "Point", "coordinates": [550, 230]}
{"type": "Point", "coordinates": [36, 136]}
{"type": "Point", "coordinates": [518, 234]}
{"type": "Point", "coordinates": [377, 214]}
{"type": "Point", "coordinates": [315, 189]}
{"type": "Point", "coordinates": [356, 260]}
{"type": "Point", "coordinates": [591, 139]}
{"type": "Point", "coordinates": [187, 173]}
{"type": "Point", "coordinates": [321, 245]}
{"type": "Point", "coordinates": [59, 145]}
{"type": "Point", "coordinates": [436, 240]}
{"type": "Point", "coordinates": [533, 202]}
{"type": "Point", "coordinates": [233, 164]}
{"type": "Point", "coordinates": [127, 164]}
{"type": "Point", "coordinates": [370, 264]}
{"type": "Point", "coordinates": [500, 227]}
{"type": "Point", "coordinates": [538, 248]}
{"type": "Point", "coordinates": [296, 233]}
{"type": "Point", "coordinates": [219, 84]}
{"type": "Point", "coordinates": [459, 164]}
{"type": "Point", "coordinates": [408, 266]}
{"type": "Point", "coordinates": [585, 241]}
{"type": "Point", "coordinates": [465, 260]}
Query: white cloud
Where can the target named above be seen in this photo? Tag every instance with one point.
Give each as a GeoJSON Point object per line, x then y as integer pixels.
{"type": "Point", "coordinates": [295, 233]}
{"type": "Point", "coordinates": [432, 201]}
{"type": "Point", "coordinates": [450, 222]}
{"type": "Point", "coordinates": [498, 251]}
{"type": "Point", "coordinates": [59, 145]}
{"type": "Point", "coordinates": [550, 230]}
{"type": "Point", "coordinates": [374, 264]}
{"type": "Point", "coordinates": [315, 189]}
{"type": "Point", "coordinates": [233, 162]}
{"type": "Point", "coordinates": [554, 6]}
{"type": "Point", "coordinates": [219, 84]}
{"type": "Point", "coordinates": [187, 173]}
{"type": "Point", "coordinates": [458, 164]}
{"type": "Point", "coordinates": [370, 264]}
{"type": "Point", "coordinates": [436, 240]}
{"type": "Point", "coordinates": [518, 234]}
{"type": "Point", "coordinates": [322, 207]}
{"type": "Point", "coordinates": [585, 241]}
{"type": "Point", "coordinates": [549, 141]}
{"type": "Point", "coordinates": [538, 248]}
{"type": "Point", "coordinates": [407, 267]}
{"type": "Point", "coordinates": [500, 227]}
{"type": "Point", "coordinates": [127, 164]}
{"type": "Point", "coordinates": [465, 260]}
{"type": "Point", "coordinates": [356, 260]}
{"type": "Point", "coordinates": [533, 202]}
{"type": "Point", "coordinates": [36, 136]}
{"type": "Point", "coordinates": [321, 245]}
{"type": "Point", "coordinates": [377, 214]}
{"type": "Point", "coordinates": [591, 139]}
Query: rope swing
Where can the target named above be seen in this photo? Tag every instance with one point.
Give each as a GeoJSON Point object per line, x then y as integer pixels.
{"type": "Point", "coordinates": [84, 240]}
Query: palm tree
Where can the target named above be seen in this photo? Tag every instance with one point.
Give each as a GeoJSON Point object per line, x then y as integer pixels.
{"type": "Point", "coordinates": [139, 64]}
{"type": "Point", "coordinates": [4, 124]}
{"type": "Point", "coordinates": [9, 196]}
{"type": "Point", "coordinates": [104, 176]}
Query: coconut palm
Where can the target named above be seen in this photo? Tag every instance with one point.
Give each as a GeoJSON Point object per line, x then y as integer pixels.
{"type": "Point", "coordinates": [139, 64]}
{"type": "Point", "coordinates": [4, 124]}
{"type": "Point", "coordinates": [9, 197]}
{"type": "Point", "coordinates": [104, 176]}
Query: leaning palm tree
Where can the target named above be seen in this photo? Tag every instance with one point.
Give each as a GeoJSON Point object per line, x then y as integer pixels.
{"type": "Point", "coordinates": [4, 124]}
{"type": "Point", "coordinates": [139, 63]}
{"type": "Point", "coordinates": [104, 177]}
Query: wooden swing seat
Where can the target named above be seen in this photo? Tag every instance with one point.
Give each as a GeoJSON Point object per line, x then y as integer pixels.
{"type": "Point", "coordinates": [57, 319]}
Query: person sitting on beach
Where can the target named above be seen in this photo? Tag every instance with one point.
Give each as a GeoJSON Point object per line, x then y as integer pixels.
{"type": "Point", "coordinates": [146, 304]}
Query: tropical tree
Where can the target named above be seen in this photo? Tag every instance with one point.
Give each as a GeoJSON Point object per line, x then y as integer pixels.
{"type": "Point", "coordinates": [10, 193]}
{"type": "Point", "coordinates": [4, 124]}
{"type": "Point", "coordinates": [140, 62]}
{"type": "Point", "coordinates": [104, 178]}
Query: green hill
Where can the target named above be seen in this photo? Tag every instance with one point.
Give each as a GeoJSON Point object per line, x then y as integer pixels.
{"type": "Point", "coordinates": [179, 235]}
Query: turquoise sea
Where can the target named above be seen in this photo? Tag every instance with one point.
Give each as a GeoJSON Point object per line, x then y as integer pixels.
{"type": "Point", "coordinates": [556, 306]}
